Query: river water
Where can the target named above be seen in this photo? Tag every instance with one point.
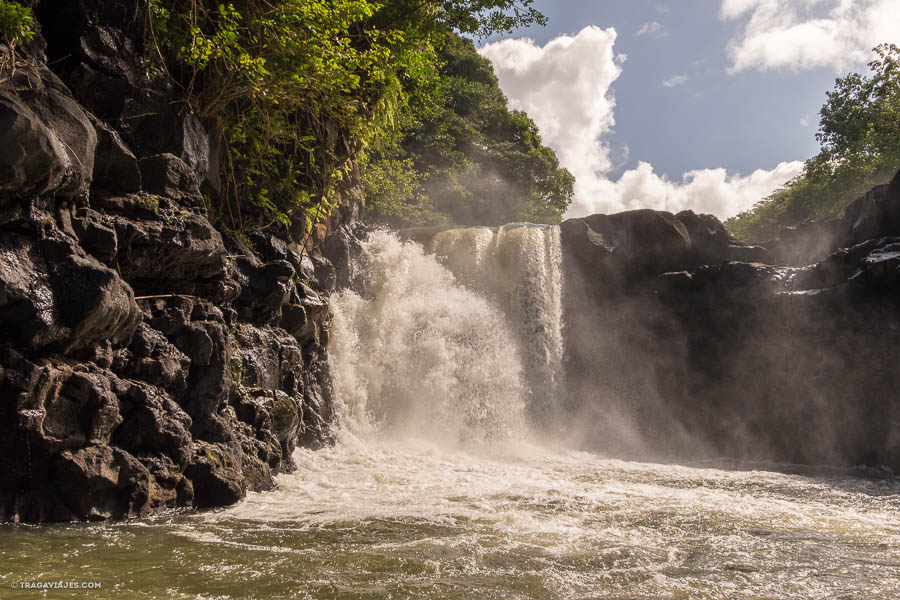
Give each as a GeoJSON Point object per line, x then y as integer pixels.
{"type": "Point", "coordinates": [444, 484]}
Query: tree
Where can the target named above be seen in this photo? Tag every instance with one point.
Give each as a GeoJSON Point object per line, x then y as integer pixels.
{"type": "Point", "coordinates": [468, 159]}
{"type": "Point", "coordinates": [859, 133]}
{"type": "Point", "coordinates": [302, 88]}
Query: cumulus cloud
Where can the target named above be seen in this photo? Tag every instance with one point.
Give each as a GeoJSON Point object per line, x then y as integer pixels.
{"type": "Point", "coordinates": [712, 191]}
{"type": "Point", "coordinates": [675, 80]}
{"type": "Point", "coordinates": [806, 34]}
{"type": "Point", "coordinates": [566, 87]}
{"type": "Point", "coordinates": [649, 28]}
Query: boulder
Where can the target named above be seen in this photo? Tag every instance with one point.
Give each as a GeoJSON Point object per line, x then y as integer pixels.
{"type": "Point", "coordinates": [54, 297]}
{"type": "Point", "coordinates": [51, 110]}
{"type": "Point", "coordinates": [102, 482]}
{"type": "Point", "coordinates": [215, 473]}
{"type": "Point", "coordinates": [169, 176]}
{"type": "Point", "coordinates": [32, 159]}
{"type": "Point", "coordinates": [115, 167]}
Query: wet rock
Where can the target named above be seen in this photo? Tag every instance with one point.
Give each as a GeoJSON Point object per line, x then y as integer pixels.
{"type": "Point", "coordinates": [93, 301]}
{"type": "Point", "coordinates": [738, 358]}
{"type": "Point", "coordinates": [102, 482]}
{"type": "Point", "coordinates": [265, 288]}
{"type": "Point", "coordinates": [215, 475]}
{"type": "Point", "coordinates": [53, 296]}
{"type": "Point", "coordinates": [169, 176]}
{"type": "Point", "coordinates": [625, 245]}
{"type": "Point", "coordinates": [116, 406]}
{"type": "Point", "coordinates": [33, 160]}
{"type": "Point", "coordinates": [881, 267]}
{"type": "Point", "coordinates": [115, 167]}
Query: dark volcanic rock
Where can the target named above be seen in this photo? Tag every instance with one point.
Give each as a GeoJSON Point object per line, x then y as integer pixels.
{"type": "Point", "coordinates": [689, 352]}
{"type": "Point", "coordinates": [216, 476]}
{"type": "Point", "coordinates": [115, 167]}
{"type": "Point", "coordinates": [190, 394]}
{"type": "Point", "coordinates": [101, 482]}
{"type": "Point", "coordinates": [169, 176]}
{"type": "Point", "coordinates": [607, 254]}
{"type": "Point", "coordinates": [33, 161]}
{"type": "Point", "coordinates": [52, 296]}
{"type": "Point", "coordinates": [174, 252]}
{"type": "Point", "coordinates": [51, 139]}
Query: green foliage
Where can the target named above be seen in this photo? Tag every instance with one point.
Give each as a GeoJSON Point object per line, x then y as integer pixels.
{"type": "Point", "coordinates": [302, 88]}
{"type": "Point", "coordinates": [859, 133]}
{"type": "Point", "coordinates": [16, 27]}
{"type": "Point", "coordinates": [293, 85]}
{"type": "Point", "coordinates": [466, 158]}
{"type": "Point", "coordinates": [16, 23]}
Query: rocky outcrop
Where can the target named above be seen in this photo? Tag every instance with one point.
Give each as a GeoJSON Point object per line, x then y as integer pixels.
{"type": "Point", "coordinates": [151, 359]}
{"type": "Point", "coordinates": [682, 341]}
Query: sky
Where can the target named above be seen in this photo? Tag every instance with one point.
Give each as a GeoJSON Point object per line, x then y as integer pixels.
{"type": "Point", "coordinates": [707, 105]}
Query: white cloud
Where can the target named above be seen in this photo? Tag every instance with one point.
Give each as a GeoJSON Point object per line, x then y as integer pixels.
{"type": "Point", "coordinates": [807, 34]}
{"type": "Point", "coordinates": [675, 80]}
{"type": "Point", "coordinates": [566, 87]}
{"type": "Point", "coordinates": [649, 28]}
{"type": "Point", "coordinates": [705, 190]}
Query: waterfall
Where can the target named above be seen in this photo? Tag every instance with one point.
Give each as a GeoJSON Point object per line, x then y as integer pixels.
{"type": "Point", "coordinates": [518, 266]}
{"type": "Point", "coordinates": [457, 346]}
{"type": "Point", "coordinates": [417, 354]}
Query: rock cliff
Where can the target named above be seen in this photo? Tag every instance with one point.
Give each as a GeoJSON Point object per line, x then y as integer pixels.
{"type": "Point", "coordinates": [149, 358]}
{"type": "Point", "coordinates": [682, 341]}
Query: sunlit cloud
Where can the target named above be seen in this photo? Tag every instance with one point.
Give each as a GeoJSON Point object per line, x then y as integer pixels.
{"type": "Point", "coordinates": [566, 86]}
{"type": "Point", "coordinates": [807, 34]}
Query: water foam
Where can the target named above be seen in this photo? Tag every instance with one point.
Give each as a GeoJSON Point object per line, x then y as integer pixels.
{"type": "Point", "coordinates": [518, 266]}
{"type": "Point", "coordinates": [419, 355]}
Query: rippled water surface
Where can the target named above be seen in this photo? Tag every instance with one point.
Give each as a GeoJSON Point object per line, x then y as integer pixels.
{"type": "Point", "coordinates": [408, 521]}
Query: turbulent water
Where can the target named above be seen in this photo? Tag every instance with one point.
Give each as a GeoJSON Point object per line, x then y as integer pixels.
{"type": "Point", "coordinates": [517, 266]}
{"type": "Point", "coordinates": [439, 487]}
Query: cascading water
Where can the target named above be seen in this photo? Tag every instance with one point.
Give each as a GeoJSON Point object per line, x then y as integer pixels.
{"type": "Point", "coordinates": [418, 354]}
{"type": "Point", "coordinates": [518, 267]}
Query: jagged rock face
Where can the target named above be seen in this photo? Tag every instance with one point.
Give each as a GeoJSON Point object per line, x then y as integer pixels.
{"type": "Point", "coordinates": [151, 359]}
{"type": "Point", "coordinates": [712, 354]}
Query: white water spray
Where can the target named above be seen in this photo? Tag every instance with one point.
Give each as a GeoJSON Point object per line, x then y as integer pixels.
{"type": "Point", "coordinates": [518, 266]}
{"type": "Point", "coordinates": [420, 355]}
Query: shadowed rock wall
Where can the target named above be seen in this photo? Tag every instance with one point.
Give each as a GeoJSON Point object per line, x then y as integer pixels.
{"type": "Point", "coordinates": [149, 359]}
{"type": "Point", "coordinates": [681, 341]}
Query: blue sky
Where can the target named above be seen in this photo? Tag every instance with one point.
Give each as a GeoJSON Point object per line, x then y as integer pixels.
{"type": "Point", "coordinates": [703, 104]}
